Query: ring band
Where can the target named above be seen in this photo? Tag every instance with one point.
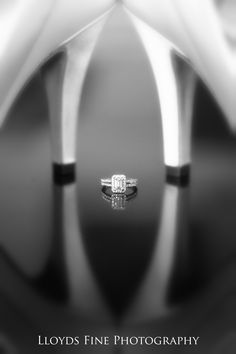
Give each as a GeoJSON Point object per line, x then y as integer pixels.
{"type": "Point", "coordinates": [108, 194]}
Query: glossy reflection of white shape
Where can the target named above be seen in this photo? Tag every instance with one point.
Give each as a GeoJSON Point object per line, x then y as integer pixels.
{"type": "Point", "coordinates": [151, 300]}
{"type": "Point", "coordinates": [84, 293]}
{"type": "Point", "coordinates": [25, 233]}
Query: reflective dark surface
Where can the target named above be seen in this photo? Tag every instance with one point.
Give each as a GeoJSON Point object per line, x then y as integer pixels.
{"type": "Point", "coordinates": [70, 265]}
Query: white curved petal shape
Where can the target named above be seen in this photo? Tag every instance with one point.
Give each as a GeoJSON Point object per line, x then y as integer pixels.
{"type": "Point", "coordinates": [201, 30]}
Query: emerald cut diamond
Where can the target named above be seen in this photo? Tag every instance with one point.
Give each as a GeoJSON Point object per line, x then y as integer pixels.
{"type": "Point", "coordinates": [118, 184]}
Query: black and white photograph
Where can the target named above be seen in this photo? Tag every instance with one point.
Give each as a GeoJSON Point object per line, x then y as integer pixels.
{"type": "Point", "coordinates": [118, 176]}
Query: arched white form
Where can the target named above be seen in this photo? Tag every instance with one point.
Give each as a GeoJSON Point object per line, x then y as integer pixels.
{"type": "Point", "coordinates": [207, 27]}
{"type": "Point", "coordinates": [200, 32]}
{"type": "Point", "coordinates": [18, 33]}
{"type": "Point", "coordinates": [32, 32]}
{"type": "Point", "coordinates": [227, 9]}
{"type": "Point", "coordinates": [175, 86]}
{"type": "Point", "coordinates": [12, 14]}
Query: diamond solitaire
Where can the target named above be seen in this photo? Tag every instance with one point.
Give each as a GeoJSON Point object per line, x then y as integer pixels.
{"type": "Point", "coordinates": [118, 184]}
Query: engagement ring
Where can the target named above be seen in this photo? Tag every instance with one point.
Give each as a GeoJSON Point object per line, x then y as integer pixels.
{"type": "Point", "coordinates": [118, 190]}
{"type": "Point", "coordinates": [119, 184]}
